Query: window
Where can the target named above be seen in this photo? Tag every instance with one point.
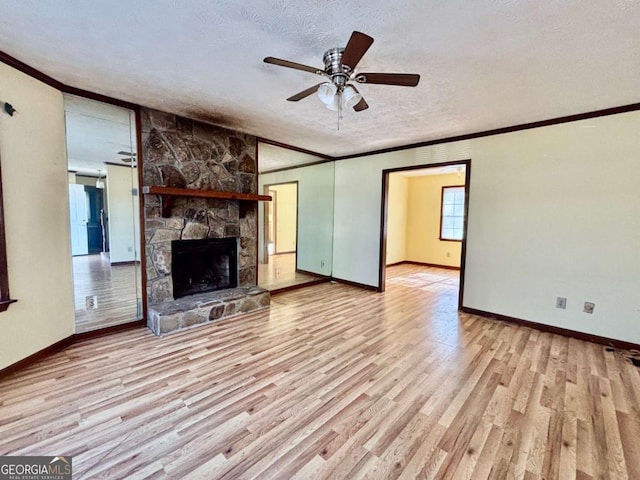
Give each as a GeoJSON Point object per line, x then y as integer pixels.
{"type": "Point", "coordinates": [452, 213]}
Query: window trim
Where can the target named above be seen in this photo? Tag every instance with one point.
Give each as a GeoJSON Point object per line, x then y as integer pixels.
{"type": "Point", "coordinates": [5, 299]}
{"type": "Point", "coordinates": [440, 237]}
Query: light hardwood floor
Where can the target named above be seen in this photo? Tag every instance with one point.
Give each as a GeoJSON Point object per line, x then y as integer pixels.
{"type": "Point", "coordinates": [280, 272]}
{"type": "Point", "coordinates": [116, 286]}
{"type": "Point", "coordinates": [334, 382]}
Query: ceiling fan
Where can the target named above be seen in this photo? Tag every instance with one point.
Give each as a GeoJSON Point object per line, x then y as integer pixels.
{"type": "Point", "coordinates": [340, 69]}
{"type": "Point", "coordinates": [130, 157]}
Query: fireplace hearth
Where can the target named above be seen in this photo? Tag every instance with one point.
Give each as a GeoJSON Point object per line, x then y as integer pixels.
{"type": "Point", "coordinates": [204, 265]}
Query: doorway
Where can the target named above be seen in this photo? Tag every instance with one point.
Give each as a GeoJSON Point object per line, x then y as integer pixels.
{"type": "Point", "coordinates": [104, 213]}
{"type": "Point", "coordinates": [86, 207]}
{"type": "Point", "coordinates": [423, 227]}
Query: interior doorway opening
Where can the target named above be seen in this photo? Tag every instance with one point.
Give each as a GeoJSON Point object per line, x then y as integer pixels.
{"type": "Point", "coordinates": [424, 224]}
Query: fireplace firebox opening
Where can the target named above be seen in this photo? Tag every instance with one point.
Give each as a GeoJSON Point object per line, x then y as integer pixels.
{"type": "Point", "coordinates": [199, 266]}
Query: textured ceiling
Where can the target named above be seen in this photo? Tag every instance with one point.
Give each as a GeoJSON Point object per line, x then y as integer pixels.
{"type": "Point", "coordinates": [484, 64]}
{"type": "Point", "coordinates": [96, 132]}
{"type": "Point", "coordinates": [271, 157]}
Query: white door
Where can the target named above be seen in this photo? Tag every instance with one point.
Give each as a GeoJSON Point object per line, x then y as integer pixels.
{"type": "Point", "coordinates": [78, 211]}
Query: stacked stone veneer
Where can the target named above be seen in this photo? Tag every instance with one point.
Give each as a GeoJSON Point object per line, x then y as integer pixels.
{"type": "Point", "coordinates": [202, 308]}
{"type": "Point", "coordinates": [182, 153]}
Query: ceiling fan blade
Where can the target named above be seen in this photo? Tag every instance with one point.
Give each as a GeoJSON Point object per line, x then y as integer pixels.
{"type": "Point", "coordinates": [362, 104]}
{"type": "Point", "coordinates": [357, 46]}
{"type": "Point", "coordinates": [294, 65]}
{"type": "Point", "coordinates": [304, 93]}
{"type": "Point", "coordinates": [402, 79]}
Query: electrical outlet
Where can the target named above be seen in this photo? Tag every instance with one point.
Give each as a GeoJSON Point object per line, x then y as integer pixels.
{"type": "Point", "coordinates": [588, 307]}
{"type": "Point", "coordinates": [91, 302]}
{"type": "Point", "coordinates": [561, 302]}
{"type": "Point", "coordinates": [321, 263]}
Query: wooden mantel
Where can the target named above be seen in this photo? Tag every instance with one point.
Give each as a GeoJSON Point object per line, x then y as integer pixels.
{"type": "Point", "coordinates": [169, 194]}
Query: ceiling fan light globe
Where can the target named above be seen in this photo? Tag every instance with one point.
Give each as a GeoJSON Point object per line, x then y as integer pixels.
{"type": "Point", "coordinates": [327, 93]}
{"type": "Point", "coordinates": [350, 97]}
{"type": "Point", "coordinates": [334, 104]}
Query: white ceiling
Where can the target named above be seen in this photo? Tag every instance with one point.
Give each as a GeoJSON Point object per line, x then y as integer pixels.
{"type": "Point", "coordinates": [95, 133]}
{"type": "Point", "coordinates": [271, 157]}
{"type": "Point", "coordinates": [484, 64]}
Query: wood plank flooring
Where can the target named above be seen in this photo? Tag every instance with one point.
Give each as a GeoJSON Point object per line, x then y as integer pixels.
{"type": "Point", "coordinates": [334, 382]}
{"type": "Point", "coordinates": [116, 286]}
{"type": "Point", "coordinates": [280, 272]}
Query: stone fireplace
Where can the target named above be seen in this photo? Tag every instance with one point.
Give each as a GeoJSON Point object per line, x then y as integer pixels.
{"type": "Point", "coordinates": [201, 253]}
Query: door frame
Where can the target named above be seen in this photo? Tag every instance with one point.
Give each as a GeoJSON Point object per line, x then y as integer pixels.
{"type": "Point", "coordinates": [384, 208]}
{"type": "Point", "coordinates": [265, 227]}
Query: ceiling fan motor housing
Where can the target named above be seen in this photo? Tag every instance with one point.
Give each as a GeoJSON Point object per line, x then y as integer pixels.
{"type": "Point", "coordinates": [338, 73]}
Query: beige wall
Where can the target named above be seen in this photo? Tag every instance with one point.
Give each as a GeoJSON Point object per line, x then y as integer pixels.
{"type": "Point", "coordinates": [397, 218]}
{"type": "Point", "coordinates": [286, 216]}
{"type": "Point", "coordinates": [36, 212]}
{"type": "Point", "coordinates": [423, 221]}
